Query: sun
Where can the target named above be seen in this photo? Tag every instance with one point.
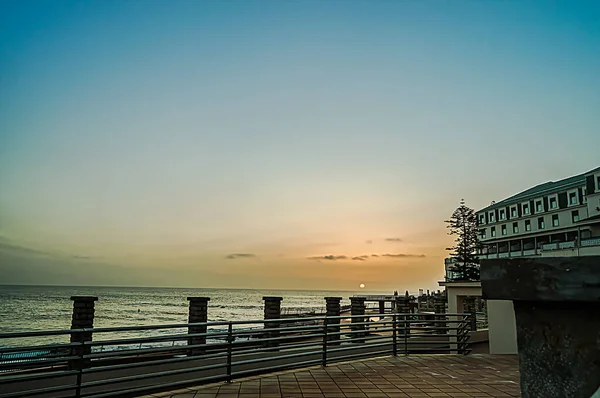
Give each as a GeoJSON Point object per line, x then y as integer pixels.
{"type": "Point", "coordinates": [362, 285]}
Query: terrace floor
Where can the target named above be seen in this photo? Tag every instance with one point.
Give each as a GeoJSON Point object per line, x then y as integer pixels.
{"type": "Point", "coordinates": [411, 376]}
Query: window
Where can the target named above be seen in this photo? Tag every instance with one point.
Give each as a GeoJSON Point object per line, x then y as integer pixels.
{"type": "Point", "coordinates": [575, 215]}
{"type": "Point", "coordinates": [504, 229]}
{"type": "Point", "coordinates": [513, 212]}
{"type": "Point", "coordinates": [541, 224]}
{"type": "Point", "coordinates": [493, 231]}
{"type": "Point", "coordinates": [597, 182]}
{"type": "Point", "coordinates": [482, 219]}
{"type": "Point", "coordinates": [482, 233]}
{"type": "Point", "coordinates": [555, 220]}
{"type": "Point", "coordinates": [538, 206]}
{"type": "Point", "coordinates": [528, 225]}
{"type": "Point", "coordinates": [573, 198]}
{"type": "Point", "coordinates": [515, 228]}
{"type": "Point", "coordinates": [526, 208]}
{"type": "Point", "coordinates": [492, 217]}
{"type": "Point", "coordinates": [584, 195]}
{"type": "Point", "coordinates": [553, 203]}
{"type": "Point", "coordinates": [502, 214]}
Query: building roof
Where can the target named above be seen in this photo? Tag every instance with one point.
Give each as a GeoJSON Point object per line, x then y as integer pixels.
{"type": "Point", "coordinates": [543, 189]}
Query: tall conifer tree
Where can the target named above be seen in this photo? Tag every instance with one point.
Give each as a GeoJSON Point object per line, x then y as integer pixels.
{"type": "Point", "coordinates": [463, 224]}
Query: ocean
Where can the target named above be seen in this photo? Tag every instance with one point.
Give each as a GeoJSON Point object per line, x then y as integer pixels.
{"type": "Point", "coordinates": [29, 308]}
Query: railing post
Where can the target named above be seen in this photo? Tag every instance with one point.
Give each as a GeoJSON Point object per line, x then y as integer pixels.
{"type": "Point", "coordinates": [229, 351]}
{"type": "Point", "coordinates": [325, 339]}
{"type": "Point", "coordinates": [83, 318]}
{"type": "Point", "coordinates": [333, 312]}
{"type": "Point", "coordinates": [358, 308]}
{"type": "Point", "coordinates": [394, 335]}
{"type": "Point", "coordinates": [197, 313]}
{"type": "Point", "coordinates": [80, 365]}
{"type": "Point", "coordinates": [406, 332]}
{"type": "Point", "coordinates": [272, 311]}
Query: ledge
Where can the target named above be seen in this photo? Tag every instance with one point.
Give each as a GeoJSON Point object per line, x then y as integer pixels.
{"type": "Point", "coordinates": [542, 279]}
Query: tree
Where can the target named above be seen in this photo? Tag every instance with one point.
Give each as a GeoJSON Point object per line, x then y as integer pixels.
{"type": "Point", "coordinates": [463, 224]}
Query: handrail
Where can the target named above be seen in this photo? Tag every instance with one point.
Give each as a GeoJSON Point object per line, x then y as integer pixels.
{"type": "Point", "coordinates": [222, 353]}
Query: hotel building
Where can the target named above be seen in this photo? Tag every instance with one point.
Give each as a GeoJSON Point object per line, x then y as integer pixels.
{"type": "Point", "coordinates": [553, 219]}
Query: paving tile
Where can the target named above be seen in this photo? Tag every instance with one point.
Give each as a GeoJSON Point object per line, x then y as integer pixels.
{"type": "Point", "coordinates": [413, 376]}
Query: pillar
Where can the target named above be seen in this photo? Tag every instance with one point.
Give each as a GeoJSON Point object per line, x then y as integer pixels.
{"type": "Point", "coordinates": [197, 313]}
{"type": "Point", "coordinates": [272, 311]}
{"type": "Point", "coordinates": [83, 318]}
{"type": "Point", "coordinates": [439, 307]}
{"type": "Point", "coordinates": [469, 306]}
{"type": "Point", "coordinates": [429, 301]}
{"type": "Point", "coordinates": [522, 248]}
{"type": "Point", "coordinates": [333, 309]}
{"type": "Point", "coordinates": [554, 299]}
{"type": "Point", "coordinates": [405, 307]}
{"type": "Point", "coordinates": [382, 307]}
{"type": "Point", "coordinates": [357, 307]}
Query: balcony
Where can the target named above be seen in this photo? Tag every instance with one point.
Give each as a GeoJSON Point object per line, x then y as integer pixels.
{"type": "Point", "coordinates": [591, 242]}
{"type": "Point", "coordinates": [545, 248]}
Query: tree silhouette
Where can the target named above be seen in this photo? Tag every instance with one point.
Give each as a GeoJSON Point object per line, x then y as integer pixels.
{"type": "Point", "coordinates": [463, 224]}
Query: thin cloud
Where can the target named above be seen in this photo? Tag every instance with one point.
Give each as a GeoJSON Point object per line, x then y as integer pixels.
{"type": "Point", "coordinates": [374, 255]}
{"type": "Point", "coordinates": [393, 240]}
{"type": "Point", "coordinates": [402, 255]}
{"type": "Point", "coordinates": [369, 242]}
{"type": "Point", "coordinates": [329, 257]}
{"type": "Point", "coordinates": [235, 256]}
{"type": "Point", "coordinates": [360, 258]}
{"type": "Point", "coordinates": [81, 257]}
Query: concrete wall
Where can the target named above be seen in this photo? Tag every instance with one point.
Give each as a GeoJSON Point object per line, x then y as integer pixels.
{"type": "Point", "coordinates": [502, 328]}
{"type": "Point", "coordinates": [457, 293]}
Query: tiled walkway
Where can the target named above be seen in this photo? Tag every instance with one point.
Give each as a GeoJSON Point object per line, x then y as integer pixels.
{"type": "Point", "coordinates": [412, 376]}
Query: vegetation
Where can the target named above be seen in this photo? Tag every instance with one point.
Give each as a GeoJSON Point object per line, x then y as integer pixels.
{"type": "Point", "coordinates": [463, 224]}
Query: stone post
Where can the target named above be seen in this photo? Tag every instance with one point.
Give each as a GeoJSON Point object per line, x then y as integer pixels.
{"type": "Point", "coordinates": [197, 313]}
{"type": "Point", "coordinates": [556, 303]}
{"type": "Point", "coordinates": [333, 309]}
{"type": "Point", "coordinates": [439, 307]}
{"type": "Point", "coordinates": [403, 305]}
{"type": "Point", "coordinates": [83, 318]}
{"type": "Point", "coordinates": [272, 311]}
{"type": "Point", "coordinates": [470, 308]}
{"type": "Point", "coordinates": [357, 307]}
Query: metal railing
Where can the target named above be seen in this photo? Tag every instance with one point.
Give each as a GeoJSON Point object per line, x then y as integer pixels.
{"type": "Point", "coordinates": [174, 358]}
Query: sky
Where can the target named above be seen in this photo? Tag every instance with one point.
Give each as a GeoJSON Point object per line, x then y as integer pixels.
{"type": "Point", "coordinates": [278, 144]}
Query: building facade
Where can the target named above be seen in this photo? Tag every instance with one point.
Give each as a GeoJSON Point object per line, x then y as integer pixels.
{"type": "Point", "coordinates": [553, 219]}
{"type": "Point", "coordinates": [449, 263]}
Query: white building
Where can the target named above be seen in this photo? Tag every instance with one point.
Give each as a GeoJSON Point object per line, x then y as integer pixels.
{"type": "Point", "coordinates": [554, 219]}
{"type": "Point", "coordinates": [449, 263]}
{"type": "Point", "coordinates": [559, 218]}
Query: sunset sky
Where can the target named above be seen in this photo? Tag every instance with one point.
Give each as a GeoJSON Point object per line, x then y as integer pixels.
{"type": "Point", "coordinates": [278, 144]}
